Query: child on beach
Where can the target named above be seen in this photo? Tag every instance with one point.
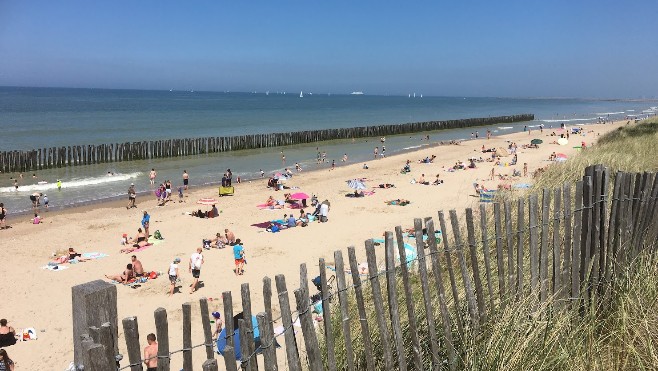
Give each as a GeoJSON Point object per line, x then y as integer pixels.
{"type": "Point", "coordinates": [238, 255]}
{"type": "Point", "coordinates": [173, 275]}
{"type": "Point", "coordinates": [36, 219]}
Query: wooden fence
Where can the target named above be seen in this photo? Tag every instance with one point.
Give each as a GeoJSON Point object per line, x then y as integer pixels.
{"type": "Point", "coordinates": [54, 157]}
{"type": "Point", "coordinates": [565, 249]}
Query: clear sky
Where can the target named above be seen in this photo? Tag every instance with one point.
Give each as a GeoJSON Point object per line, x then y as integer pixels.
{"type": "Point", "coordinates": [575, 48]}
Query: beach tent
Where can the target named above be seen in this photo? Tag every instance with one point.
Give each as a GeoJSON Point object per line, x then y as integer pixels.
{"type": "Point", "coordinates": [356, 184]}
{"type": "Point", "coordinates": [221, 339]}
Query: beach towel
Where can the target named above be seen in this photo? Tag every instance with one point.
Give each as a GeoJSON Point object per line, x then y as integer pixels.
{"type": "Point", "coordinates": [264, 207]}
{"type": "Point", "coordinates": [141, 248]}
{"type": "Point", "coordinates": [55, 268]}
{"type": "Point", "coordinates": [397, 202]}
{"type": "Point", "coordinates": [155, 241]}
{"type": "Point", "coordinates": [347, 270]}
{"type": "Point", "coordinates": [409, 251]}
{"type": "Point", "coordinates": [94, 255]}
{"type": "Point", "coordinates": [522, 185]}
{"type": "Point", "coordinates": [487, 196]}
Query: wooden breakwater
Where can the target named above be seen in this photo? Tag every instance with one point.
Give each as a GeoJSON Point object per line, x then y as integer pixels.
{"type": "Point", "coordinates": [53, 157]}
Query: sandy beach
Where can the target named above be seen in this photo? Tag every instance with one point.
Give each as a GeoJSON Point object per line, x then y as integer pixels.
{"type": "Point", "coordinates": [39, 298]}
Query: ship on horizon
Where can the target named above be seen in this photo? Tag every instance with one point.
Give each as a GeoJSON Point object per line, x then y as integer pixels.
{"type": "Point", "coordinates": [356, 93]}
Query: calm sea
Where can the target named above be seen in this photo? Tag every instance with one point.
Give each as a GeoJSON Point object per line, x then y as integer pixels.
{"type": "Point", "coordinates": [45, 117]}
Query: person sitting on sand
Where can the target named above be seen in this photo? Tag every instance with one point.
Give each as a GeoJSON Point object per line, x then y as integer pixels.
{"type": "Point", "coordinates": [229, 237]}
{"type": "Point", "coordinates": [7, 335]}
{"type": "Point", "coordinates": [422, 180]}
{"type": "Point", "coordinates": [274, 204]}
{"type": "Point", "coordinates": [471, 164]}
{"type": "Point", "coordinates": [386, 185]}
{"type": "Point", "coordinates": [437, 181]}
{"type": "Point", "coordinates": [141, 241]}
{"type": "Point", "coordinates": [138, 268]}
{"type": "Point", "coordinates": [124, 277]}
{"type": "Point", "coordinates": [219, 241]}
{"type": "Point", "coordinates": [37, 219]}
{"type": "Point", "coordinates": [74, 255]}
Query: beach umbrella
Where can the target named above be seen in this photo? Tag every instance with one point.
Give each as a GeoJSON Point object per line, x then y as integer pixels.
{"type": "Point", "coordinates": [560, 159]}
{"type": "Point", "coordinates": [207, 201]}
{"type": "Point", "coordinates": [561, 155]}
{"type": "Point", "coordinates": [536, 141]}
{"type": "Point", "coordinates": [563, 141]}
{"type": "Point", "coordinates": [299, 196]}
{"type": "Point", "coordinates": [356, 184]}
{"type": "Point", "coordinates": [221, 339]}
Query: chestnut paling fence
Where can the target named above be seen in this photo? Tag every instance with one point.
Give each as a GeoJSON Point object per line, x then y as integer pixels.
{"type": "Point", "coordinates": [566, 249]}
{"type": "Point", "coordinates": [77, 155]}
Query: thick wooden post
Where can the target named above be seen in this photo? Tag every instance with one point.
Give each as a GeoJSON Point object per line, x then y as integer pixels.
{"type": "Point", "coordinates": [131, 333]}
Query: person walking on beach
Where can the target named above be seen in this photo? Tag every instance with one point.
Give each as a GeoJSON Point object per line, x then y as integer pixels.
{"type": "Point", "coordinates": [238, 255]}
{"type": "Point", "coordinates": [262, 173]}
{"type": "Point", "coordinates": [344, 157]}
{"type": "Point", "coordinates": [492, 175]}
{"type": "Point", "coordinates": [45, 201]}
{"type": "Point", "coordinates": [34, 197]}
{"type": "Point", "coordinates": [333, 164]}
{"type": "Point", "coordinates": [132, 196]}
{"type": "Point", "coordinates": [376, 152]}
{"type": "Point", "coordinates": [383, 154]}
{"type": "Point", "coordinates": [151, 353]}
{"type": "Point", "coordinates": [146, 220]}
{"type": "Point", "coordinates": [196, 261]}
{"type": "Point", "coordinates": [186, 179]}
{"type": "Point", "coordinates": [3, 216]}
{"type": "Point", "coordinates": [283, 158]}
{"type": "Point", "coordinates": [152, 176]}
{"type": "Point", "coordinates": [173, 275]}
{"type": "Point", "coordinates": [59, 185]}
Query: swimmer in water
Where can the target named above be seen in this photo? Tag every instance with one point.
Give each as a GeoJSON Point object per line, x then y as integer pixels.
{"type": "Point", "coordinates": [59, 185]}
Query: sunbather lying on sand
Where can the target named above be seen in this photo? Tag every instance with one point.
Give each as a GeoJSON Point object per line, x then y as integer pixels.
{"type": "Point", "coordinates": [124, 277]}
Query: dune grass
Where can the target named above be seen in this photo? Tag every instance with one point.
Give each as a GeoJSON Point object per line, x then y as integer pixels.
{"type": "Point", "coordinates": [620, 334]}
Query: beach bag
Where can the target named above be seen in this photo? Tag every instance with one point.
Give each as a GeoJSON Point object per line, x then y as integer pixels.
{"type": "Point", "coordinates": [157, 235]}
{"type": "Point", "coordinates": [275, 228]}
{"type": "Point", "coordinates": [206, 244]}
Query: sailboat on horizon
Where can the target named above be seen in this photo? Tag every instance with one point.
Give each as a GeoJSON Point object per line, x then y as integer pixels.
{"type": "Point", "coordinates": [301, 94]}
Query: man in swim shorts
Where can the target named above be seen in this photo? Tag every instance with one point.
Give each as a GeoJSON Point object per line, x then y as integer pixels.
{"type": "Point", "coordinates": [132, 196]}
{"type": "Point", "coordinates": [137, 266]}
{"type": "Point", "coordinates": [151, 353]}
{"type": "Point", "coordinates": [186, 179]}
{"type": "Point", "coordinates": [196, 260]}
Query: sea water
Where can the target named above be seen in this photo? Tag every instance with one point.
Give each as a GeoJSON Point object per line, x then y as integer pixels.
{"type": "Point", "coordinates": [33, 118]}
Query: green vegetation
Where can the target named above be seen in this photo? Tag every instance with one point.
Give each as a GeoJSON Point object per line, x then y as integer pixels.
{"type": "Point", "coordinates": [620, 334]}
{"type": "Point", "coordinates": [632, 148]}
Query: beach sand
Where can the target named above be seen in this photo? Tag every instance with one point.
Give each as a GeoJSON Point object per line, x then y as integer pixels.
{"type": "Point", "coordinates": [34, 297]}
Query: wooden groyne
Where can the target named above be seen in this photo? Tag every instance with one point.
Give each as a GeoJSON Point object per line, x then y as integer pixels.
{"type": "Point", "coordinates": [54, 157]}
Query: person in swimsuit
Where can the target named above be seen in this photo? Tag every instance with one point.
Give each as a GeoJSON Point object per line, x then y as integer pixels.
{"type": "Point", "coordinates": [6, 364]}
{"type": "Point", "coordinates": [186, 179]}
{"type": "Point", "coordinates": [34, 197]}
{"type": "Point", "coordinates": [152, 176]}
{"type": "Point", "coordinates": [124, 277]}
{"type": "Point", "coordinates": [74, 255]}
{"type": "Point", "coordinates": [151, 353]}
{"type": "Point", "coordinates": [138, 268]}
{"type": "Point", "coordinates": [3, 216]}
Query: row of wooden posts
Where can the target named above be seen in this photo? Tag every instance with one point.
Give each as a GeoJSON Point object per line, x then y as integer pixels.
{"type": "Point", "coordinates": [54, 157]}
{"type": "Point", "coordinates": [569, 251]}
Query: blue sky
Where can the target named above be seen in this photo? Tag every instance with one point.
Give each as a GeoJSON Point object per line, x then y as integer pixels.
{"type": "Point", "coordinates": [453, 48]}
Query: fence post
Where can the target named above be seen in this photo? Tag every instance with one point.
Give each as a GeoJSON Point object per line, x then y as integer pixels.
{"type": "Point", "coordinates": [187, 337]}
{"type": "Point", "coordinates": [557, 257]}
{"type": "Point", "coordinates": [286, 317]}
{"type": "Point", "coordinates": [210, 365]}
{"type": "Point", "coordinates": [500, 264]}
{"type": "Point", "coordinates": [360, 303]}
{"type": "Point", "coordinates": [326, 317]}
{"type": "Point", "coordinates": [586, 239]}
{"type": "Point", "coordinates": [229, 356]}
{"type": "Point", "coordinates": [470, 297]}
{"type": "Point", "coordinates": [411, 307]}
{"type": "Point", "coordinates": [249, 346]}
{"type": "Point", "coordinates": [93, 303]}
{"type": "Point", "coordinates": [520, 227]}
{"type": "Point", "coordinates": [310, 338]}
{"type": "Point", "coordinates": [479, 291]}
{"type": "Point", "coordinates": [487, 253]}
{"type": "Point", "coordinates": [373, 273]}
{"type": "Point", "coordinates": [576, 247]}
{"type": "Point", "coordinates": [162, 332]}
{"type": "Point", "coordinates": [543, 252]}
{"type": "Point", "coordinates": [131, 333]}
{"type": "Point", "coordinates": [207, 330]}
{"type": "Point", "coordinates": [534, 236]}
{"type": "Point", "coordinates": [393, 310]}
{"type": "Point", "coordinates": [443, 306]}
{"type": "Point", "coordinates": [267, 342]}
